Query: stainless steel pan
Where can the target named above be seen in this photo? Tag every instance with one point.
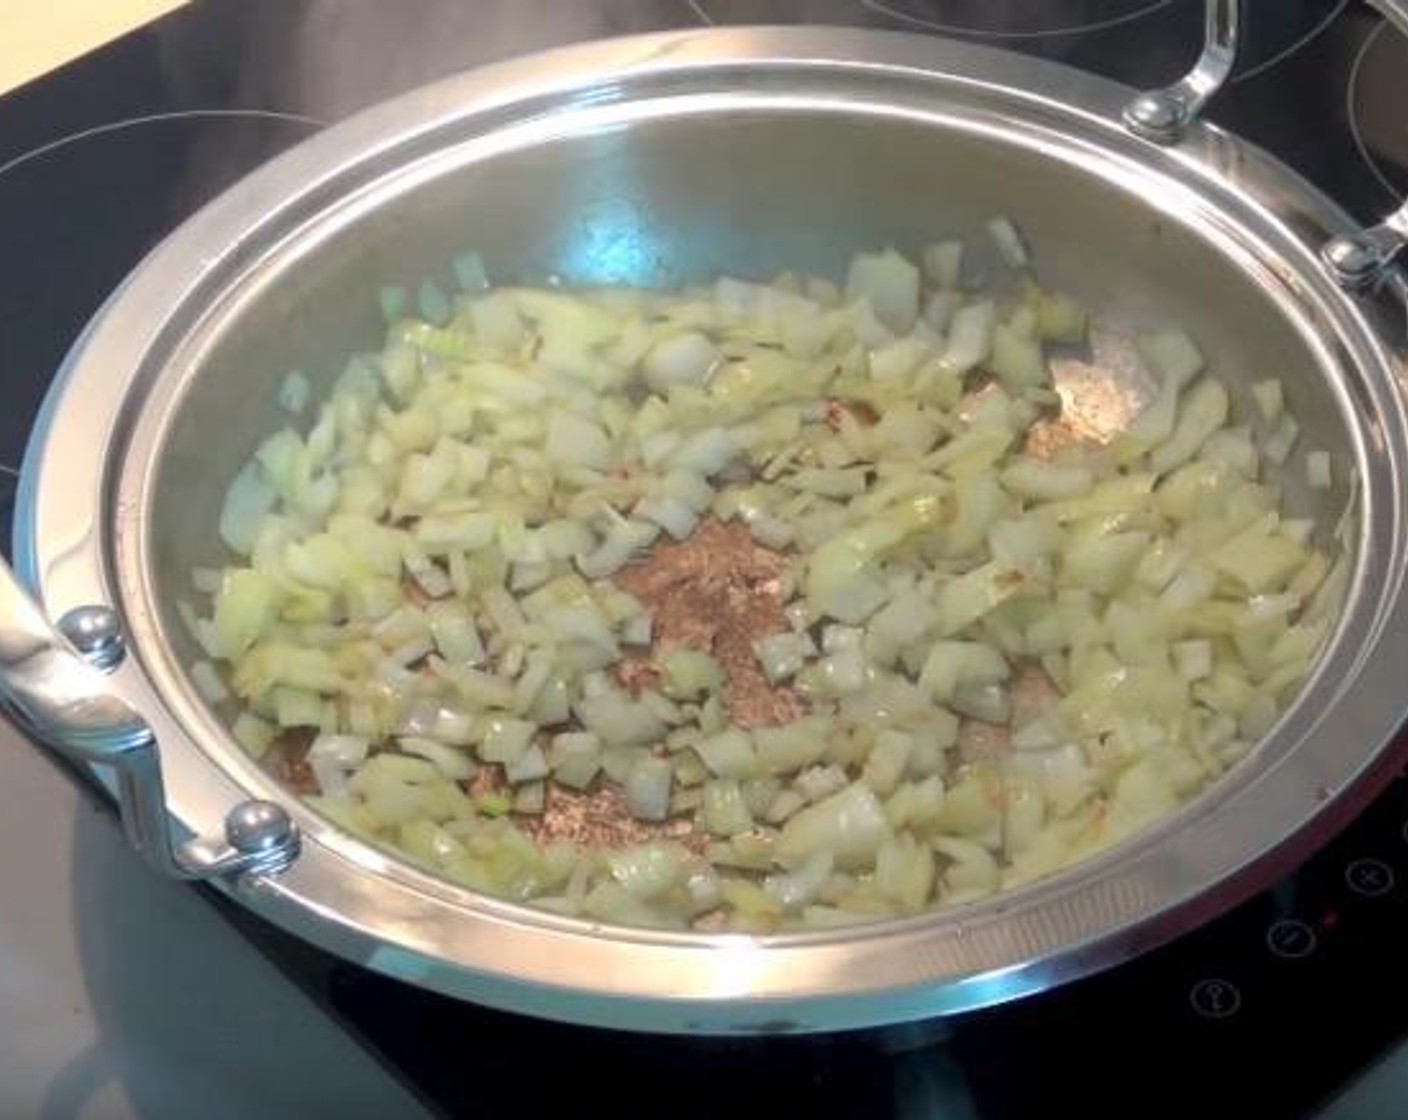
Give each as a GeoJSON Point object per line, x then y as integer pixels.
{"type": "Point", "coordinates": [660, 160]}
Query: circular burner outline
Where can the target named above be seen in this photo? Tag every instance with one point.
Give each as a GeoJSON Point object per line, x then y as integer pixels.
{"type": "Point", "coordinates": [700, 12]}
{"type": "Point", "coordinates": [9, 475]}
{"type": "Point", "coordinates": [882, 7]}
{"type": "Point", "coordinates": [154, 118]}
{"type": "Point", "coordinates": [1351, 104]}
{"type": "Point", "coordinates": [1304, 41]}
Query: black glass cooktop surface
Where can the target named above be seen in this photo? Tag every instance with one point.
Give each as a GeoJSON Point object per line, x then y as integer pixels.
{"type": "Point", "coordinates": [1271, 1011]}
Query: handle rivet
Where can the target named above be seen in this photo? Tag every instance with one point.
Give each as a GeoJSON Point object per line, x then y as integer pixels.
{"type": "Point", "coordinates": [1155, 114]}
{"type": "Point", "coordinates": [1354, 261]}
{"type": "Point", "coordinates": [257, 826]}
{"type": "Point", "coordinates": [96, 633]}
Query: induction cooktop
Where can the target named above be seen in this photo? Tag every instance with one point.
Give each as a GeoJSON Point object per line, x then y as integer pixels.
{"type": "Point", "coordinates": [1274, 1010]}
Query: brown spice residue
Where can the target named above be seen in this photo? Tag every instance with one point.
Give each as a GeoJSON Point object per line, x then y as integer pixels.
{"type": "Point", "coordinates": [595, 818]}
{"type": "Point", "coordinates": [288, 760]}
{"type": "Point", "coordinates": [1033, 694]}
{"type": "Point", "coordinates": [599, 818]}
{"type": "Point", "coordinates": [636, 674]}
{"type": "Point", "coordinates": [982, 742]}
{"type": "Point", "coordinates": [1095, 409]}
{"type": "Point", "coordinates": [488, 779]}
{"type": "Point", "coordinates": [719, 591]}
{"type": "Point", "coordinates": [837, 409]}
{"type": "Point", "coordinates": [1047, 438]}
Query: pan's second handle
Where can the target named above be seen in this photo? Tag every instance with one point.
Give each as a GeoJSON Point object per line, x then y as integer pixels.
{"type": "Point", "coordinates": [65, 701]}
{"type": "Point", "coordinates": [1361, 260]}
{"type": "Point", "coordinates": [1164, 115]}
{"type": "Point", "coordinates": [1356, 260]}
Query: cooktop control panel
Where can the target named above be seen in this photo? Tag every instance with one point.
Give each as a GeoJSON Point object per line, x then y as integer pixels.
{"type": "Point", "coordinates": [1273, 1007]}
{"type": "Point", "coordinates": [1268, 1011]}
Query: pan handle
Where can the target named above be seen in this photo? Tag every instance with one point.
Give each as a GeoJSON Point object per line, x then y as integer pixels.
{"type": "Point", "coordinates": [1359, 260]}
{"type": "Point", "coordinates": [65, 701]}
{"type": "Point", "coordinates": [1165, 115]}
{"type": "Point", "coordinates": [1362, 259]}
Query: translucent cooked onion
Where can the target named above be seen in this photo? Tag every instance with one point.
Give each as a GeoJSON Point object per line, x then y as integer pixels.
{"type": "Point", "coordinates": [1002, 660]}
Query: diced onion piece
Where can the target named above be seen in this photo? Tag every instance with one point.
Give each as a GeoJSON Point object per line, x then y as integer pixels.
{"type": "Point", "coordinates": [1060, 318]}
{"type": "Point", "coordinates": [1017, 359]}
{"type": "Point", "coordinates": [530, 766]}
{"type": "Point", "coordinates": [1193, 659]}
{"type": "Point", "coordinates": [890, 284]}
{"type": "Point", "coordinates": [849, 825]}
{"type": "Point", "coordinates": [392, 301]}
{"type": "Point", "coordinates": [1009, 242]}
{"type": "Point", "coordinates": [729, 754]}
{"type": "Point", "coordinates": [294, 392]}
{"type": "Point", "coordinates": [970, 335]}
{"type": "Point", "coordinates": [455, 635]}
{"type": "Point", "coordinates": [505, 739]}
{"type": "Point", "coordinates": [673, 515]}
{"type": "Point", "coordinates": [888, 760]}
{"type": "Point", "coordinates": [1044, 481]}
{"type": "Point", "coordinates": [574, 758]}
{"type": "Point", "coordinates": [904, 872]}
{"type": "Point", "coordinates": [705, 452]}
{"type": "Point", "coordinates": [1202, 413]}
{"type": "Point", "coordinates": [648, 870]}
{"type": "Point", "coordinates": [953, 665]}
{"type": "Point", "coordinates": [648, 789]}
{"type": "Point", "coordinates": [684, 359]}
{"type": "Point", "coordinates": [248, 502]}
{"type": "Point", "coordinates": [943, 263]}
{"type": "Point", "coordinates": [470, 273]}
{"type": "Point", "coordinates": [255, 735]}
{"type": "Point", "coordinates": [576, 441]}
{"type": "Point", "coordinates": [208, 683]}
{"type": "Point", "coordinates": [962, 601]}
{"type": "Point", "coordinates": [817, 782]}
{"type": "Point", "coordinates": [1317, 469]}
{"type": "Point", "coordinates": [1173, 357]}
{"type": "Point", "coordinates": [782, 655]}
{"type": "Point", "coordinates": [453, 764]}
{"type": "Point", "coordinates": [724, 812]}
{"type": "Point", "coordinates": [620, 721]}
{"type": "Point", "coordinates": [246, 609]}
{"type": "Point", "coordinates": [795, 889]}
{"type": "Point", "coordinates": [1282, 439]}
{"type": "Point", "coordinates": [689, 674]}
{"type": "Point", "coordinates": [1270, 400]}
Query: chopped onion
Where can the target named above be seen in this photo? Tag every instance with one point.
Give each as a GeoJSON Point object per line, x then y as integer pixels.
{"type": "Point", "coordinates": [208, 683]}
{"type": "Point", "coordinates": [248, 502]}
{"type": "Point", "coordinates": [849, 825]}
{"type": "Point", "coordinates": [1270, 399]}
{"type": "Point", "coordinates": [454, 764]}
{"type": "Point", "coordinates": [970, 336]}
{"type": "Point", "coordinates": [1317, 469]}
{"type": "Point", "coordinates": [890, 284]}
{"type": "Point", "coordinates": [648, 788]}
{"type": "Point", "coordinates": [943, 263]}
{"type": "Point", "coordinates": [1282, 439]}
{"type": "Point", "coordinates": [1009, 242]}
{"type": "Point", "coordinates": [729, 754]}
{"type": "Point", "coordinates": [1005, 661]}
{"type": "Point", "coordinates": [685, 359]}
